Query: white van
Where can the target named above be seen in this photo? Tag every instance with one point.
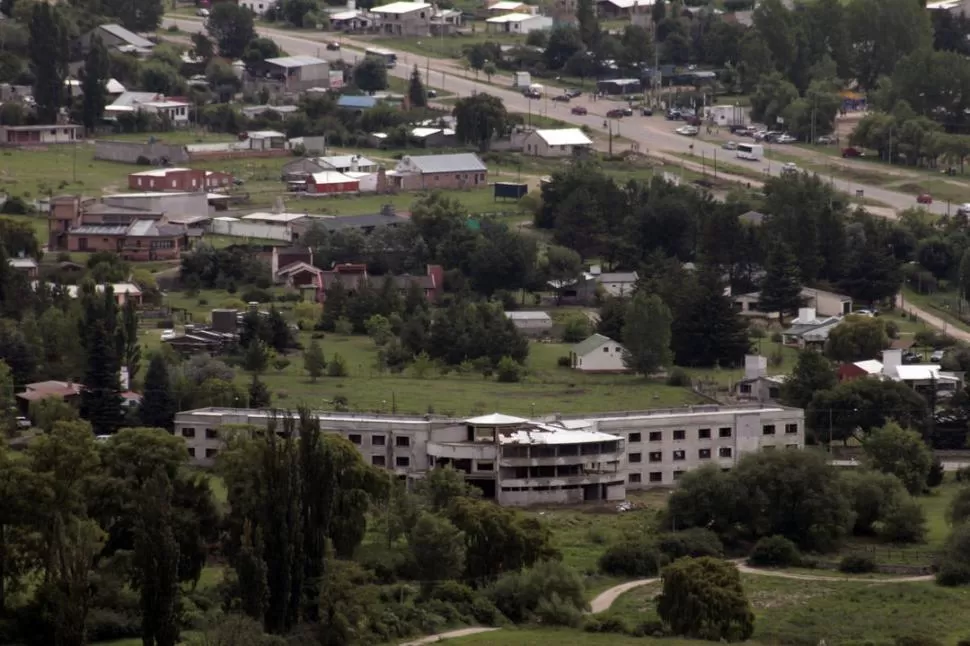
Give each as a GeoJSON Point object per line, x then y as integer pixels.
{"type": "Point", "coordinates": [750, 152]}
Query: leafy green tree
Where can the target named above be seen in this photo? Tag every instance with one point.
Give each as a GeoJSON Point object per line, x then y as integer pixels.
{"type": "Point", "coordinates": [8, 403]}
{"type": "Point", "coordinates": [883, 33]}
{"type": "Point", "coordinates": [158, 405]}
{"type": "Point", "coordinates": [417, 95]}
{"type": "Point", "coordinates": [857, 338]}
{"type": "Point", "coordinates": [93, 79]}
{"type": "Point", "coordinates": [480, 118]}
{"type": "Point", "coordinates": [812, 373]}
{"type": "Point", "coordinates": [231, 26]}
{"type": "Point", "coordinates": [256, 357]}
{"type": "Point", "coordinates": [313, 360]}
{"type": "Point", "coordinates": [872, 274]}
{"type": "Point", "coordinates": [156, 559]}
{"type": "Point", "coordinates": [370, 75]}
{"type": "Point", "coordinates": [646, 335]}
{"type": "Point", "coordinates": [438, 548]}
{"type": "Point", "coordinates": [903, 522]}
{"type": "Point", "coordinates": [965, 275]}
{"type": "Point", "coordinates": [259, 396]}
{"type": "Point", "coordinates": [21, 494]}
{"type": "Point", "coordinates": [854, 408]}
{"type": "Point", "coordinates": [562, 268]}
{"type": "Point", "coordinates": [781, 290]}
{"type": "Point", "coordinates": [612, 318]}
{"type": "Point", "coordinates": [870, 494]}
{"type": "Point", "coordinates": [903, 453]}
{"type": "Point", "coordinates": [136, 15]}
{"type": "Point", "coordinates": [45, 413]}
{"type": "Point", "coordinates": [131, 351]}
{"type": "Point", "coordinates": [704, 599]}
{"type": "Point", "coordinates": [959, 509]}
{"type": "Point", "coordinates": [954, 563]}
{"type": "Point", "coordinates": [48, 50]}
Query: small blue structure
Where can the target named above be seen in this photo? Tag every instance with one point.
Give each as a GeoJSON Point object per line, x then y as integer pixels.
{"type": "Point", "coordinates": [352, 102]}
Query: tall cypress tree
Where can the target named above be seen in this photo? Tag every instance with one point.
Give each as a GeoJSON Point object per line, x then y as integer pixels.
{"type": "Point", "coordinates": [102, 341]}
{"type": "Point", "coordinates": [158, 406]}
{"type": "Point", "coordinates": [48, 48]}
{"type": "Point", "coordinates": [416, 92]}
{"type": "Point", "coordinates": [781, 289]}
{"type": "Point", "coordinates": [93, 79]}
{"type": "Point", "coordinates": [156, 558]}
{"type": "Point", "coordinates": [706, 330]}
{"type": "Point", "coordinates": [131, 352]}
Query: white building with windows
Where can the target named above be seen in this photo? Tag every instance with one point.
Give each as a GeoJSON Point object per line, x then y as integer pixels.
{"type": "Point", "coordinates": [552, 460]}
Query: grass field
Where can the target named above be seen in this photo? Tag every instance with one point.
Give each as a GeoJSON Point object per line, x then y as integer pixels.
{"type": "Point", "coordinates": [805, 612]}
{"type": "Point", "coordinates": [562, 637]}
{"type": "Point", "coordinates": [942, 304]}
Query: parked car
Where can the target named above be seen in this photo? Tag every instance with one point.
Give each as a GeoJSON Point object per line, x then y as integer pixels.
{"type": "Point", "coordinates": [937, 355]}
{"type": "Point", "coordinates": [912, 357]}
{"type": "Point", "coordinates": [23, 422]}
{"type": "Point", "coordinates": [578, 109]}
{"type": "Point", "coordinates": [572, 93]}
{"type": "Point", "coordinates": [851, 151]}
{"type": "Point", "coordinates": [616, 113]}
{"type": "Point", "coordinates": [432, 94]}
{"type": "Point", "coordinates": [202, 13]}
{"type": "Point", "coordinates": [825, 140]}
{"type": "Point", "coordinates": [789, 168]}
{"type": "Point", "coordinates": [646, 112]}
{"type": "Point", "coordinates": [627, 112]}
{"type": "Point", "coordinates": [562, 98]}
{"type": "Point", "coordinates": [333, 46]}
{"type": "Point", "coordinates": [730, 145]}
{"type": "Point", "coordinates": [687, 131]}
{"type": "Point", "coordinates": [168, 334]}
{"type": "Point", "coordinates": [924, 198]}
{"type": "Point", "coordinates": [673, 115]}
{"type": "Point", "coordinates": [785, 139]}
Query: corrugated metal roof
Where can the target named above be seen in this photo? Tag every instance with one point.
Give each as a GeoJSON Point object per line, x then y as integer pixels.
{"type": "Point", "coordinates": [591, 343]}
{"type": "Point", "coordinates": [129, 37]}
{"type": "Point", "coordinates": [100, 230]}
{"type": "Point", "coordinates": [456, 163]}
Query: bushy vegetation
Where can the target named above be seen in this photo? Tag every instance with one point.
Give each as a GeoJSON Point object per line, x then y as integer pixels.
{"type": "Point", "coordinates": [774, 551]}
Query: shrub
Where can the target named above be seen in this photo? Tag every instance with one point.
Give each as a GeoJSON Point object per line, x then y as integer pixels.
{"type": "Point", "coordinates": [693, 542]}
{"type": "Point", "coordinates": [254, 294]}
{"type": "Point", "coordinates": [917, 640]}
{"type": "Point", "coordinates": [776, 337]}
{"type": "Point", "coordinates": [963, 475]}
{"type": "Point", "coordinates": [508, 371]}
{"type": "Point", "coordinates": [606, 625]}
{"type": "Point", "coordinates": [15, 205]}
{"type": "Point", "coordinates": [518, 595]}
{"type": "Point", "coordinates": [103, 624]}
{"type": "Point", "coordinates": [857, 564]}
{"type": "Point", "coordinates": [632, 558]}
{"type": "Point", "coordinates": [953, 573]}
{"type": "Point", "coordinates": [678, 377]}
{"type": "Point", "coordinates": [143, 161]}
{"type": "Point", "coordinates": [556, 611]}
{"type": "Point", "coordinates": [903, 522]}
{"type": "Point", "coordinates": [564, 361]}
{"type": "Point", "coordinates": [576, 329]}
{"type": "Point", "coordinates": [934, 478]}
{"type": "Point", "coordinates": [337, 367]}
{"type": "Point", "coordinates": [892, 330]}
{"type": "Point", "coordinates": [774, 551]}
{"type": "Point", "coordinates": [652, 628]}
{"type": "Point", "coordinates": [343, 326]}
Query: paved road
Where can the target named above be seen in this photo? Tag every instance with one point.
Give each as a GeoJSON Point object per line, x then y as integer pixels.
{"type": "Point", "coordinates": [652, 134]}
{"type": "Point", "coordinates": [932, 320]}
{"type": "Point", "coordinates": [451, 634]}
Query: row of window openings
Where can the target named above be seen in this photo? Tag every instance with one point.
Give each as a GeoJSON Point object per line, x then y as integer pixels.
{"type": "Point", "coordinates": [379, 440]}
{"type": "Point", "coordinates": [654, 476]}
{"type": "Point", "coordinates": [381, 461]}
{"type": "Point", "coordinates": [209, 453]}
{"type": "Point", "coordinates": [702, 454]}
{"type": "Point", "coordinates": [705, 433]}
{"type": "Point", "coordinates": [210, 433]}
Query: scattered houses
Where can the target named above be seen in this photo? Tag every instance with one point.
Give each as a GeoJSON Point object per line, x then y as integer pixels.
{"type": "Point", "coordinates": [620, 284]}
{"type": "Point", "coordinates": [179, 179]}
{"type": "Point", "coordinates": [598, 353]}
{"type": "Point", "coordinates": [561, 142]}
{"type": "Point", "coordinates": [352, 275]}
{"type": "Point", "coordinates": [174, 109]}
{"type": "Point", "coordinates": [299, 72]}
{"type": "Point", "coordinates": [366, 223]}
{"type": "Point", "coordinates": [44, 135]}
{"type": "Point", "coordinates": [922, 377]}
{"type": "Point", "coordinates": [518, 23]}
{"type": "Point", "coordinates": [421, 172]}
{"type": "Point", "coordinates": [258, 7]}
{"type": "Point", "coordinates": [405, 18]}
{"type": "Point", "coordinates": [757, 385]}
{"type": "Point", "coordinates": [809, 330]}
{"type": "Point", "coordinates": [825, 303]}
{"type": "Point", "coordinates": [531, 323]}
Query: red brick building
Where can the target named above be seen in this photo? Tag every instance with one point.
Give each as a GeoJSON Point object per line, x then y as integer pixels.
{"type": "Point", "coordinates": [331, 182]}
{"type": "Point", "coordinates": [178, 179]}
{"type": "Point", "coordinates": [425, 172]}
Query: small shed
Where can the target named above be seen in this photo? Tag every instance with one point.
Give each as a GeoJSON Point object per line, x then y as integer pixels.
{"type": "Point", "coordinates": [510, 190]}
{"type": "Point", "coordinates": [531, 323]}
{"type": "Point", "coordinates": [598, 353]}
{"type": "Point", "coordinates": [330, 182]}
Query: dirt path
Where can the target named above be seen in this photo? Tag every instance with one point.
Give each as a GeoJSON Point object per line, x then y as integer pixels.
{"type": "Point", "coordinates": [932, 320]}
{"type": "Point", "coordinates": [605, 599]}
{"type": "Point", "coordinates": [452, 634]}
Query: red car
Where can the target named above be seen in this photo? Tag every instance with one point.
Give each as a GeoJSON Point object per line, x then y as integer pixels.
{"type": "Point", "coordinates": [578, 109]}
{"type": "Point", "coordinates": [924, 198]}
{"type": "Point", "coordinates": [851, 151]}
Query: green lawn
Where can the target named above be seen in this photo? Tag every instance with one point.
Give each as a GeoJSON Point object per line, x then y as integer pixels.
{"type": "Point", "coordinates": [60, 169]}
{"type": "Point", "coordinates": [563, 637]}
{"type": "Point", "coordinates": [944, 304]}
{"type": "Point", "coordinates": [804, 612]}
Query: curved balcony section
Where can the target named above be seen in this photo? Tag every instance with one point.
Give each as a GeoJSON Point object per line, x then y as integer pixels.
{"type": "Point", "coordinates": [462, 450]}
{"type": "Point", "coordinates": [535, 455]}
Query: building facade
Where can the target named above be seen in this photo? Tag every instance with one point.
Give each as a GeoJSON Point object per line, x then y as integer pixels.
{"type": "Point", "coordinates": [40, 135]}
{"type": "Point", "coordinates": [178, 179]}
{"type": "Point", "coordinates": [404, 18]}
{"type": "Point", "coordinates": [516, 461]}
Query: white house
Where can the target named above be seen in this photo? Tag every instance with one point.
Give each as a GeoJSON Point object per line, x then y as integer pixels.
{"type": "Point", "coordinates": [823, 302]}
{"type": "Point", "coordinates": [561, 142]}
{"type": "Point", "coordinates": [531, 323]}
{"type": "Point", "coordinates": [258, 7]}
{"type": "Point", "coordinates": [517, 23]}
{"type": "Point", "coordinates": [509, 6]}
{"type": "Point", "coordinates": [598, 353]}
{"type": "Point", "coordinates": [620, 284]}
{"type": "Point", "coordinates": [809, 329]}
{"type": "Point", "coordinates": [129, 102]}
{"type": "Point", "coordinates": [405, 18]}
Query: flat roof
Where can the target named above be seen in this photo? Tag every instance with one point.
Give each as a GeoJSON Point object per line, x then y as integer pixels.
{"type": "Point", "coordinates": [564, 137]}
{"type": "Point", "coordinates": [511, 17]}
{"type": "Point", "coordinates": [341, 161]}
{"type": "Point", "coordinates": [547, 434]}
{"type": "Point", "coordinates": [331, 177]}
{"type": "Point", "coordinates": [401, 7]}
{"type": "Point", "coordinates": [295, 61]}
{"type": "Point", "coordinates": [275, 217]}
{"type": "Point", "coordinates": [322, 415]}
{"type": "Point", "coordinates": [265, 134]}
{"type": "Point", "coordinates": [528, 316]}
{"type": "Point", "coordinates": [159, 172]}
{"type": "Point", "coordinates": [505, 5]}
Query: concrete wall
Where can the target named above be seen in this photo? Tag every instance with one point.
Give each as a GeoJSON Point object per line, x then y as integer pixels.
{"type": "Point", "coordinates": [128, 152]}
{"type": "Point", "coordinates": [171, 204]}
{"type": "Point", "coordinates": [242, 229]}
